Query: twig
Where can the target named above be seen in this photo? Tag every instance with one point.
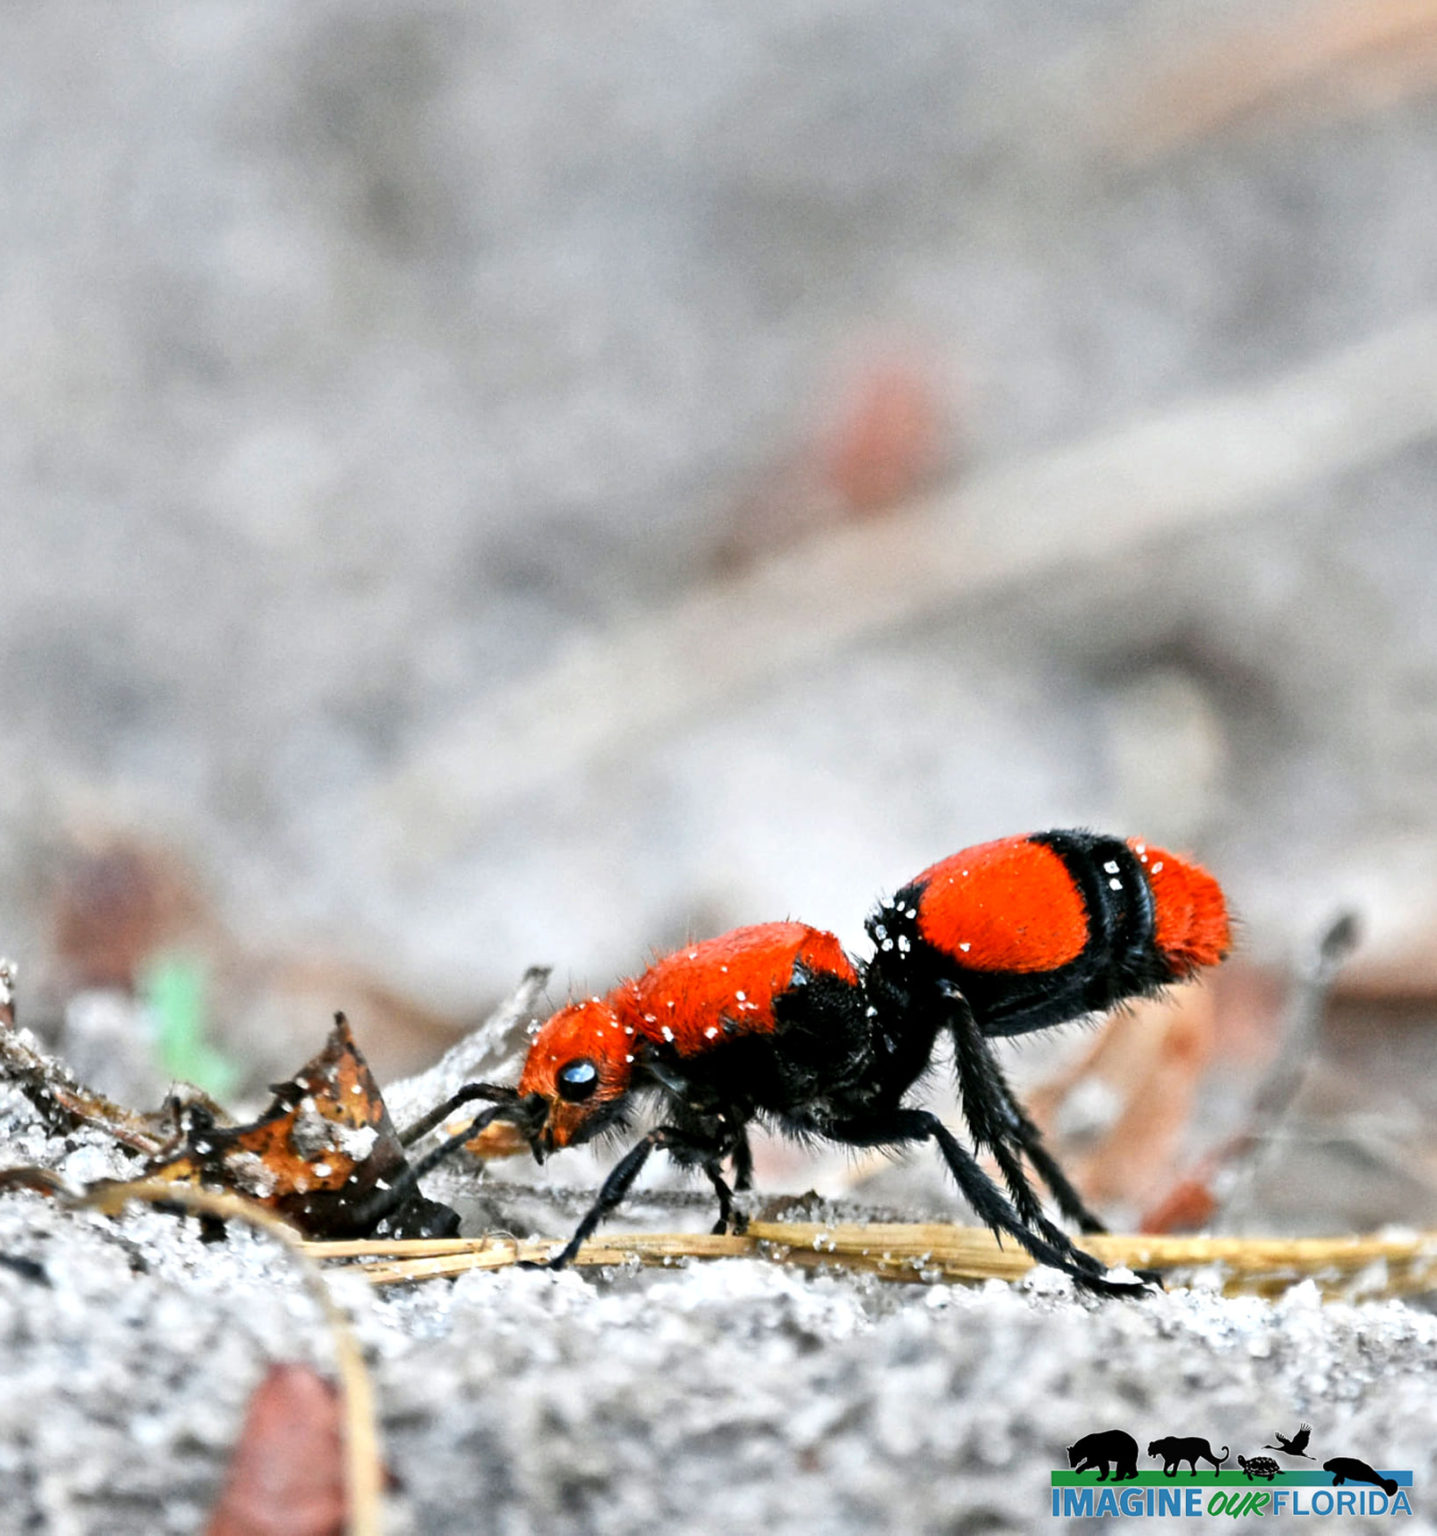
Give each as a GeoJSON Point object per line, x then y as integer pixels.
{"type": "Point", "coordinates": [1332, 58]}
{"type": "Point", "coordinates": [925, 1252]}
{"type": "Point", "coordinates": [7, 994]}
{"type": "Point", "coordinates": [1232, 1173]}
{"type": "Point", "coordinates": [363, 1466]}
{"type": "Point", "coordinates": [64, 1103]}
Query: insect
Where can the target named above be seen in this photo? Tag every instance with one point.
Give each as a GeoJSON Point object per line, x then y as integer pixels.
{"type": "Point", "coordinates": [776, 1024]}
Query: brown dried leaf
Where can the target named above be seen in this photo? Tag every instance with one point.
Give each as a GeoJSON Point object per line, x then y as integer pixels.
{"type": "Point", "coordinates": [286, 1477]}
{"type": "Point", "coordinates": [323, 1151]}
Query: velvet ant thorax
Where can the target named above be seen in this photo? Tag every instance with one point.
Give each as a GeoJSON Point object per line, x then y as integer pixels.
{"type": "Point", "coordinates": [726, 986]}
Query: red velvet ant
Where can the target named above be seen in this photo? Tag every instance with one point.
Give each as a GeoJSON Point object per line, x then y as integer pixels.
{"type": "Point", "coordinates": [776, 1023]}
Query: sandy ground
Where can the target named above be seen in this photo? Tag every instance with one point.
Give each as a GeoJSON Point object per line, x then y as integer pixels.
{"type": "Point", "coordinates": [735, 1396]}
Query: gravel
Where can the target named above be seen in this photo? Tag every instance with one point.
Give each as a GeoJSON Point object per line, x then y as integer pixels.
{"type": "Point", "coordinates": [733, 1396]}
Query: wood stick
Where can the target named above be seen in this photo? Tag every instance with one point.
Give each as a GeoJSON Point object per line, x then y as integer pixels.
{"type": "Point", "coordinates": [927, 1253]}
{"type": "Point", "coordinates": [1200, 464]}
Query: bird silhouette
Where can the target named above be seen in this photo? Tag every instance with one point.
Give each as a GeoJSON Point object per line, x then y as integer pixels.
{"type": "Point", "coordinates": [1297, 1446]}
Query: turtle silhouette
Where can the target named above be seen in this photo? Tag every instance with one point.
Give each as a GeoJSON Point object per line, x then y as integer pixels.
{"type": "Point", "coordinates": [1347, 1469]}
{"type": "Point", "coordinates": [1259, 1466]}
{"type": "Point", "coordinates": [1297, 1446]}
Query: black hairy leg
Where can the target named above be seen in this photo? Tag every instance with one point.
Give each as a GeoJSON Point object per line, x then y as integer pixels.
{"type": "Point", "coordinates": [621, 1180]}
{"type": "Point", "coordinates": [742, 1158]}
{"type": "Point", "coordinates": [728, 1219]}
{"type": "Point", "coordinates": [893, 1127]}
{"type": "Point", "coordinates": [998, 1122]}
{"type": "Point", "coordinates": [405, 1186]}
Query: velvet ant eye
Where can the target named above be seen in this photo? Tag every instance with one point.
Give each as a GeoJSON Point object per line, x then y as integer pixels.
{"type": "Point", "coordinates": [577, 1080]}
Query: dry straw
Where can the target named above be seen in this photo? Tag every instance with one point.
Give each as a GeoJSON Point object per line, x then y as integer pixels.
{"type": "Point", "coordinates": [1342, 1267]}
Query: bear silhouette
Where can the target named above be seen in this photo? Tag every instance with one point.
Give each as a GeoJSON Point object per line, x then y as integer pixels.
{"type": "Point", "coordinates": [1175, 1449]}
{"type": "Point", "coordinates": [1347, 1469]}
{"type": "Point", "coordinates": [1105, 1446]}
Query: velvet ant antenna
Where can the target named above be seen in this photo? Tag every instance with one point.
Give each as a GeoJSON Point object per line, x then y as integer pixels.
{"type": "Point", "coordinates": [776, 1024]}
{"type": "Point", "coordinates": [505, 1104]}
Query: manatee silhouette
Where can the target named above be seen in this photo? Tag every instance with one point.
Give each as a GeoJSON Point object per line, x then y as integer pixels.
{"type": "Point", "coordinates": [1347, 1469]}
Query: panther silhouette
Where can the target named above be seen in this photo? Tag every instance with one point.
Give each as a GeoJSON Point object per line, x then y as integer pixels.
{"type": "Point", "coordinates": [1191, 1449]}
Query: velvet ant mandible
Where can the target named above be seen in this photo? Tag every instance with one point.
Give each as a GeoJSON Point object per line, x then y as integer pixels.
{"type": "Point", "coordinates": [776, 1024]}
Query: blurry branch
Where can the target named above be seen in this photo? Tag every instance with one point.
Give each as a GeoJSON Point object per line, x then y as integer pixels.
{"type": "Point", "coordinates": [1313, 984]}
{"type": "Point", "coordinates": [1213, 459]}
{"type": "Point", "coordinates": [1222, 1185]}
{"type": "Point", "coordinates": [930, 1253]}
{"type": "Point", "coordinates": [1328, 59]}
{"type": "Point", "coordinates": [493, 1050]}
{"type": "Point", "coordinates": [1238, 1164]}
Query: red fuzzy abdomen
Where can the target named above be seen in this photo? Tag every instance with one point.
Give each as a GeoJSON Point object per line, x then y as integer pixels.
{"type": "Point", "coordinates": [725, 986]}
{"type": "Point", "coordinates": [1190, 921]}
{"type": "Point", "coordinates": [1010, 905]}
{"type": "Point", "coordinates": [1032, 931]}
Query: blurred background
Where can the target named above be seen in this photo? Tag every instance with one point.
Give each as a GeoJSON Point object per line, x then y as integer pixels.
{"type": "Point", "coordinates": [486, 486]}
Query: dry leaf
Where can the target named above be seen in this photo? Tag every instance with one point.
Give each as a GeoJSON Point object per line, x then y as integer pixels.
{"type": "Point", "coordinates": [325, 1154]}
{"type": "Point", "coordinates": [286, 1477]}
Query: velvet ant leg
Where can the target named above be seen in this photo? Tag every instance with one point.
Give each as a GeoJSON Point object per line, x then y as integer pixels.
{"type": "Point", "coordinates": [620, 1181]}
{"type": "Point", "coordinates": [611, 1196]}
{"type": "Point", "coordinates": [997, 1121]}
{"type": "Point", "coordinates": [728, 1218]}
{"type": "Point", "coordinates": [1070, 1202]}
{"type": "Point", "coordinates": [742, 1158]}
{"type": "Point", "coordinates": [385, 1201]}
{"type": "Point", "coordinates": [987, 1200]}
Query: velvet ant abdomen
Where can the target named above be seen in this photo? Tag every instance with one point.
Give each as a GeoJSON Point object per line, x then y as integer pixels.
{"type": "Point", "coordinates": [1191, 923]}
{"type": "Point", "coordinates": [1033, 931]}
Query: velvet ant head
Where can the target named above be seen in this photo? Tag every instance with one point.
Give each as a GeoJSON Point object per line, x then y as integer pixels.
{"type": "Point", "coordinates": [580, 1063]}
